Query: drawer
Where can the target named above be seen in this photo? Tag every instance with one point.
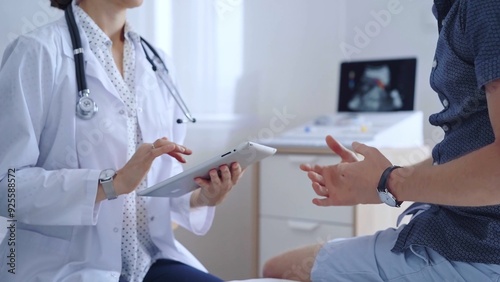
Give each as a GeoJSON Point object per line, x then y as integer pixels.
{"type": "Point", "coordinates": [279, 235]}
{"type": "Point", "coordinates": [285, 190]}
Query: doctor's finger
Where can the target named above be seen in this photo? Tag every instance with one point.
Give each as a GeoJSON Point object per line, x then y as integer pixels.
{"type": "Point", "coordinates": [173, 147]}
{"type": "Point", "coordinates": [177, 156]}
{"type": "Point", "coordinates": [236, 172]}
{"type": "Point", "coordinates": [214, 177]}
{"type": "Point", "coordinates": [158, 141]}
{"type": "Point", "coordinates": [225, 174]}
{"type": "Point", "coordinates": [168, 149]}
{"type": "Point", "coordinates": [161, 150]}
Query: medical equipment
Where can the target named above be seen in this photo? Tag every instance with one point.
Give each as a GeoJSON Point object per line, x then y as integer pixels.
{"type": "Point", "coordinates": [86, 108]}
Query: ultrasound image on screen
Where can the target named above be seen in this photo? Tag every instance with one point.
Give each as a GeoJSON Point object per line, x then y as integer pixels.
{"type": "Point", "coordinates": [377, 86]}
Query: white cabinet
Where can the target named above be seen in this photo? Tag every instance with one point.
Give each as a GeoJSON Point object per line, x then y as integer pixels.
{"type": "Point", "coordinates": [287, 217]}
{"type": "Point", "coordinates": [286, 191]}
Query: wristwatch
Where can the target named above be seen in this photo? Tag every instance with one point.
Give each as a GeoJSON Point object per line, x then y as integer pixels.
{"type": "Point", "coordinates": [383, 191]}
{"type": "Point", "coordinates": [106, 180]}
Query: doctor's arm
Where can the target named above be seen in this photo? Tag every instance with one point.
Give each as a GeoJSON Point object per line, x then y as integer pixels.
{"type": "Point", "coordinates": [39, 196]}
{"type": "Point", "coordinates": [129, 177]}
{"type": "Point", "coordinates": [40, 179]}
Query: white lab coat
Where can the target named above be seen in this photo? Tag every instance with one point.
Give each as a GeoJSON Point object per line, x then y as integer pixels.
{"type": "Point", "coordinates": [61, 234]}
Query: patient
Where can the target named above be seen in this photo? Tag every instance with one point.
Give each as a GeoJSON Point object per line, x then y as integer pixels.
{"type": "Point", "coordinates": [455, 235]}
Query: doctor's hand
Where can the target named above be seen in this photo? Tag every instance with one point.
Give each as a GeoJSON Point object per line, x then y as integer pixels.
{"type": "Point", "coordinates": [350, 182]}
{"type": "Point", "coordinates": [212, 191]}
{"type": "Point", "coordinates": [129, 177]}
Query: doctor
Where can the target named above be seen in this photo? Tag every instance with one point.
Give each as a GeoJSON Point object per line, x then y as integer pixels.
{"type": "Point", "coordinates": [62, 172]}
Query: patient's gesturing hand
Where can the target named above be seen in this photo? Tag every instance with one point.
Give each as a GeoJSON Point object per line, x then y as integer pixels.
{"type": "Point", "coordinates": [351, 181]}
{"type": "Point", "coordinates": [320, 175]}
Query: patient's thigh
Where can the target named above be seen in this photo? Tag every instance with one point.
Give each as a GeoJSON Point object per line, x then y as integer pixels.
{"type": "Point", "coordinates": [369, 258]}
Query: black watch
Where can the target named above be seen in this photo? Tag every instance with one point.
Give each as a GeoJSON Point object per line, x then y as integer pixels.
{"type": "Point", "coordinates": [106, 180]}
{"type": "Point", "coordinates": [383, 191]}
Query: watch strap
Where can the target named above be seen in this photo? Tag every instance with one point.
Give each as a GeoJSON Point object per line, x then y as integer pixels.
{"type": "Point", "coordinates": [109, 189]}
{"type": "Point", "coordinates": [382, 184]}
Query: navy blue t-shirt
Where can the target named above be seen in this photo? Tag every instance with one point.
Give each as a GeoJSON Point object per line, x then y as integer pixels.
{"type": "Point", "coordinates": [467, 58]}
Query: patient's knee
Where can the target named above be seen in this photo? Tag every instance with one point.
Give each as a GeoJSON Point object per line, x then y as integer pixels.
{"type": "Point", "coordinates": [270, 269]}
{"type": "Point", "coordinates": [284, 267]}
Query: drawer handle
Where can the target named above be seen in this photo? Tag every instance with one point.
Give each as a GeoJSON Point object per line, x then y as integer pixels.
{"type": "Point", "coordinates": [302, 225]}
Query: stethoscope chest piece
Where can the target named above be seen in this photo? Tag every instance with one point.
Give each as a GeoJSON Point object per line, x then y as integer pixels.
{"type": "Point", "coordinates": [86, 108]}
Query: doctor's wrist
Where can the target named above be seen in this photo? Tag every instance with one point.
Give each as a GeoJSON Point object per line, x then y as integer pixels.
{"type": "Point", "coordinates": [198, 199]}
{"type": "Point", "coordinates": [100, 196]}
{"type": "Point", "coordinates": [120, 184]}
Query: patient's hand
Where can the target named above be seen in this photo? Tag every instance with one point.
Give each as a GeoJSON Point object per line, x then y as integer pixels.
{"type": "Point", "coordinates": [351, 181]}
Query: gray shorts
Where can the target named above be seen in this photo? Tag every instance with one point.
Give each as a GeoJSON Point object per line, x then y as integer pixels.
{"type": "Point", "coordinates": [369, 258]}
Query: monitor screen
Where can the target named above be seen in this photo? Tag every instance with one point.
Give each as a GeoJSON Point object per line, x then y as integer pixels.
{"type": "Point", "coordinates": [377, 86]}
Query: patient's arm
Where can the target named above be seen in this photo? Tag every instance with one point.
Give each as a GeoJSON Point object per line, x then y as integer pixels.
{"type": "Point", "coordinates": [471, 180]}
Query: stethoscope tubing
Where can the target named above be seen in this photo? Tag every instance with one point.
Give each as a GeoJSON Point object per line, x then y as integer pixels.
{"type": "Point", "coordinates": [166, 80]}
{"type": "Point", "coordinates": [77, 50]}
{"type": "Point", "coordinates": [86, 107]}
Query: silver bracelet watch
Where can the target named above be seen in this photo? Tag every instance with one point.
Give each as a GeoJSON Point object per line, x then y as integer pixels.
{"type": "Point", "coordinates": [106, 179]}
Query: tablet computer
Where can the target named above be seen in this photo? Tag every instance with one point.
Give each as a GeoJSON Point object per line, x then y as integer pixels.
{"type": "Point", "coordinates": [245, 154]}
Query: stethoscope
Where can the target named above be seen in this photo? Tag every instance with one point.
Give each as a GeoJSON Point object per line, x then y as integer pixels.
{"type": "Point", "coordinates": [86, 108]}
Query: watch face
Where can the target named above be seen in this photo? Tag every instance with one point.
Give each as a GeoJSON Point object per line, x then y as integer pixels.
{"type": "Point", "coordinates": [107, 174]}
{"type": "Point", "coordinates": [387, 198]}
